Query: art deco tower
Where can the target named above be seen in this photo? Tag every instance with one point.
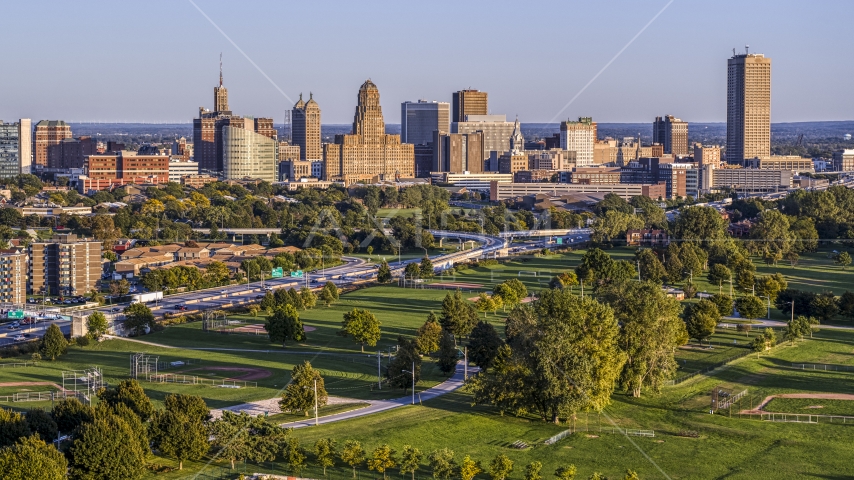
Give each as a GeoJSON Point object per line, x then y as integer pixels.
{"type": "Point", "coordinates": [305, 127]}
{"type": "Point", "coordinates": [221, 94]}
{"type": "Point", "coordinates": [368, 122]}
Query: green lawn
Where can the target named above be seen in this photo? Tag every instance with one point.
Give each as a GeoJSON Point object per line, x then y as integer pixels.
{"type": "Point", "coordinates": [811, 406]}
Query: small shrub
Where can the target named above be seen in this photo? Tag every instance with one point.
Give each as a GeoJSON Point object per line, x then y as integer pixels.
{"type": "Point", "coordinates": [82, 341]}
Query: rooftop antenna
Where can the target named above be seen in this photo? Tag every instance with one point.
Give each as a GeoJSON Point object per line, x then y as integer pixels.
{"type": "Point", "coordinates": [733, 52]}
{"type": "Point", "coordinates": [747, 49]}
{"type": "Point", "coordinates": [220, 69]}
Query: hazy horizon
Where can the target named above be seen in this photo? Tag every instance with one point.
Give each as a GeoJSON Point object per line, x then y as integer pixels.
{"type": "Point", "coordinates": [157, 62]}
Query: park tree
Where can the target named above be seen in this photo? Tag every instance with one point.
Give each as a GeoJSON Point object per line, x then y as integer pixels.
{"type": "Point", "coordinates": [362, 326]}
{"type": "Point", "coordinates": [631, 475]}
{"type": "Point", "coordinates": [843, 259]}
{"type": "Point", "coordinates": [410, 460]}
{"type": "Point", "coordinates": [285, 325]}
{"type": "Point", "coordinates": [29, 458]}
{"type": "Point", "coordinates": [382, 459]}
{"type": "Point", "coordinates": [130, 393]}
{"type": "Point", "coordinates": [564, 280]}
{"type": "Point", "coordinates": [241, 437]}
{"type": "Point", "coordinates": [484, 303]}
{"type": "Point", "coordinates": [501, 467]}
{"type": "Point", "coordinates": [412, 272]}
{"type": "Point", "coordinates": [718, 275]}
{"type": "Point", "coordinates": [268, 303]}
{"type": "Point", "coordinates": [650, 266]}
{"type": "Point", "coordinates": [701, 319]}
{"type": "Point", "coordinates": [426, 267]}
{"type": "Point", "coordinates": [442, 463]}
{"type": "Point", "coordinates": [566, 473]}
{"type": "Point", "coordinates": [567, 361]}
{"type": "Point", "coordinates": [324, 453]}
{"type": "Point", "coordinates": [724, 304]}
{"type": "Point", "coordinates": [798, 328]}
{"type": "Point", "coordinates": [309, 299]}
{"type": "Point", "coordinates": [13, 426]}
{"type": "Point", "coordinates": [771, 285]}
{"type": "Point", "coordinates": [353, 455]}
{"type": "Point", "coordinates": [70, 413]}
{"type": "Point", "coordinates": [53, 343]}
{"type": "Point", "coordinates": [122, 411]}
{"type": "Point", "coordinates": [191, 405]}
{"type": "Point", "coordinates": [41, 423]}
{"type": "Point", "coordinates": [294, 455]}
{"type": "Point", "coordinates": [613, 225]}
{"type": "Point", "coordinates": [296, 299]}
{"type": "Point", "coordinates": [772, 235]}
{"type": "Point", "coordinates": [483, 345]}
{"type": "Point", "coordinates": [511, 292]}
{"type": "Point", "coordinates": [846, 304]}
{"type": "Point", "coordinates": [750, 307]}
{"type": "Point", "coordinates": [106, 448]}
{"type": "Point", "coordinates": [178, 435]}
{"type": "Point", "coordinates": [138, 317]}
{"type": "Point", "coordinates": [328, 295]}
{"type": "Point", "coordinates": [448, 356]}
{"type": "Point", "coordinates": [299, 394]}
{"type": "Point", "coordinates": [765, 341]}
{"type": "Point", "coordinates": [384, 273]}
{"type": "Point", "coordinates": [406, 358]}
{"type": "Point", "coordinates": [532, 471]}
{"type": "Point", "coordinates": [96, 325]}
{"type": "Point", "coordinates": [652, 330]}
{"type": "Point", "coordinates": [119, 288]}
{"type": "Point", "coordinates": [702, 225]}
{"type": "Point", "coordinates": [428, 335]}
{"type": "Point", "coordinates": [824, 306]}
{"type": "Point", "coordinates": [458, 315]}
{"type": "Point", "coordinates": [469, 468]}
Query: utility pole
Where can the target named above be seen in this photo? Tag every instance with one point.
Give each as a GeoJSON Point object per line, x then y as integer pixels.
{"type": "Point", "coordinates": [466, 363]}
{"type": "Point", "coordinates": [379, 371]}
{"type": "Point", "coordinates": [315, 402]}
{"type": "Point", "coordinates": [413, 381]}
{"type": "Point", "coordinates": [639, 273]}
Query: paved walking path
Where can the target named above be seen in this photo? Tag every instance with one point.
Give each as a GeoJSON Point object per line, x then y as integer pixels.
{"type": "Point", "coordinates": [376, 406]}
{"type": "Point", "coordinates": [779, 324]}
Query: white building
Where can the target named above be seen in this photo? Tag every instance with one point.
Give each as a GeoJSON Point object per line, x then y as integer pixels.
{"type": "Point", "coordinates": [579, 137]}
{"type": "Point", "coordinates": [179, 168]}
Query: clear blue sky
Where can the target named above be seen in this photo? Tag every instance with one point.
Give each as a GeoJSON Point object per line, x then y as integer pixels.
{"type": "Point", "coordinates": [158, 60]}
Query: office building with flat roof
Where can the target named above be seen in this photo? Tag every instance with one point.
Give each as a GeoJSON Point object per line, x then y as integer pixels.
{"type": "Point", "coordinates": [672, 134]}
{"type": "Point", "coordinates": [748, 126]}
{"type": "Point", "coordinates": [496, 130]}
{"type": "Point", "coordinates": [418, 121]}
{"type": "Point", "coordinates": [47, 134]}
{"type": "Point", "coordinates": [248, 154]}
{"type": "Point", "coordinates": [305, 129]}
{"type": "Point", "coordinates": [579, 137]}
{"type": "Point", "coordinates": [468, 102]}
{"type": "Point", "coordinates": [15, 148]}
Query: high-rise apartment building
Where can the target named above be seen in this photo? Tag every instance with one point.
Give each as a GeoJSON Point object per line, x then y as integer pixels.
{"type": "Point", "coordinates": [49, 133]}
{"type": "Point", "coordinates": [13, 276]}
{"type": "Point", "coordinates": [579, 137]}
{"type": "Point", "coordinates": [10, 149]}
{"type": "Point", "coordinates": [247, 154]}
{"type": "Point", "coordinates": [305, 128]}
{"type": "Point", "coordinates": [469, 102]}
{"type": "Point", "coordinates": [496, 130]}
{"type": "Point", "coordinates": [418, 121]}
{"type": "Point", "coordinates": [368, 152]}
{"type": "Point", "coordinates": [64, 265]}
{"type": "Point", "coordinates": [672, 133]}
{"type": "Point", "coordinates": [748, 125]}
{"type": "Point", "coordinates": [458, 152]}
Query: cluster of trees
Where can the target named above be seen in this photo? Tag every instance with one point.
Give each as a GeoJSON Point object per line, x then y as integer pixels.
{"type": "Point", "coordinates": [422, 270]}
{"type": "Point", "coordinates": [823, 306]}
{"type": "Point", "coordinates": [509, 293]}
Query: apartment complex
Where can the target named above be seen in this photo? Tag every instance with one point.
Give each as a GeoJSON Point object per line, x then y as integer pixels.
{"type": "Point", "coordinates": [672, 134]}
{"type": "Point", "coordinates": [368, 152]}
{"type": "Point", "coordinates": [468, 102]}
{"type": "Point", "coordinates": [248, 154]}
{"type": "Point", "coordinates": [47, 134]}
{"type": "Point", "coordinates": [15, 147]}
{"type": "Point", "coordinates": [418, 121]}
{"type": "Point", "coordinates": [13, 276]}
{"type": "Point", "coordinates": [305, 129]}
{"type": "Point", "coordinates": [748, 126]}
{"type": "Point", "coordinates": [579, 137]}
{"type": "Point", "coordinates": [64, 265]}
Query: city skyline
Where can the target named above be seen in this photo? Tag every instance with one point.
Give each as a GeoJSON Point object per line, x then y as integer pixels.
{"type": "Point", "coordinates": [687, 80]}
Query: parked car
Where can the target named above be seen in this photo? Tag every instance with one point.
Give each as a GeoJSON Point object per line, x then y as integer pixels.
{"type": "Point", "coordinates": [259, 297]}
{"type": "Point", "coordinates": [19, 338]}
{"type": "Point", "coordinates": [116, 309]}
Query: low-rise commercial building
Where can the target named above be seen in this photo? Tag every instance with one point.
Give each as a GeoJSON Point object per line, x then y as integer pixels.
{"type": "Point", "coordinates": [502, 191]}
{"type": "Point", "coordinates": [782, 162]}
{"type": "Point", "coordinates": [843, 160]}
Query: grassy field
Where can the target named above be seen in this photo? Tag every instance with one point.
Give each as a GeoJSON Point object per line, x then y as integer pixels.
{"type": "Point", "coordinates": [811, 406]}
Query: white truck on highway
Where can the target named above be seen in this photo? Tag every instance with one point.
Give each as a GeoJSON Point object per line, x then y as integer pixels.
{"type": "Point", "coordinates": [146, 297]}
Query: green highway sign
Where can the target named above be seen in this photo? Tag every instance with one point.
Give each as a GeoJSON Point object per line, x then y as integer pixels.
{"type": "Point", "coordinates": [278, 272]}
{"type": "Point", "coordinates": [297, 274]}
{"type": "Point", "coordinates": [16, 314]}
{"type": "Point", "coordinates": [560, 240]}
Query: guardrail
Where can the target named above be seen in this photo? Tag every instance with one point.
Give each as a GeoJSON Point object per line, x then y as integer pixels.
{"type": "Point", "coordinates": [38, 396]}
{"type": "Point", "coordinates": [16, 365]}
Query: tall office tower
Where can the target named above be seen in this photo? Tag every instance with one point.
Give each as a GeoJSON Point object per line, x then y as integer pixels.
{"type": "Point", "coordinates": [496, 130]}
{"type": "Point", "coordinates": [264, 126]}
{"type": "Point", "coordinates": [707, 155]}
{"type": "Point", "coordinates": [579, 137]}
{"type": "Point", "coordinates": [671, 133]}
{"type": "Point", "coordinates": [207, 130]}
{"type": "Point", "coordinates": [469, 102]}
{"type": "Point", "coordinates": [49, 133]}
{"type": "Point", "coordinates": [368, 152]}
{"type": "Point", "coordinates": [748, 109]}
{"type": "Point", "coordinates": [65, 265]}
{"type": "Point", "coordinates": [10, 149]}
{"type": "Point", "coordinates": [25, 145]}
{"type": "Point", "coordinates": [418, 121]}
{"type": "Point", "coordinates": [246, 153]}
{"type": "Point", "coordinates": [458, 152]}
{"type": "Point", "coordinates": [305, 127]}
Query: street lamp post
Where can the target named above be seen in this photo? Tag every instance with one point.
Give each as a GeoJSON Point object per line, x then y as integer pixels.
{"type": "Point", "coordinates": [769, 305]}
{"type": "Point", "coordinates": [413, 381]}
